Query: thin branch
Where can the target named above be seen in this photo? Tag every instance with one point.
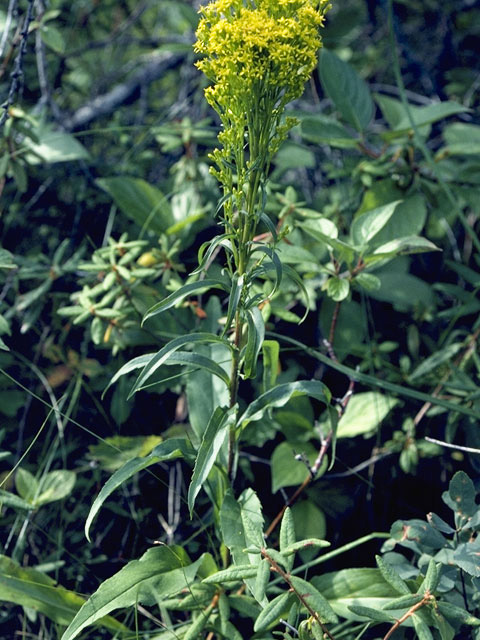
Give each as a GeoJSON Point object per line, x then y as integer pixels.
{"type": "Point", "coordinates": [17, 72]}
{"type": "Point", "coordinates": [12, 10]}
{"type": "Point", "coordinates": [449, 445]}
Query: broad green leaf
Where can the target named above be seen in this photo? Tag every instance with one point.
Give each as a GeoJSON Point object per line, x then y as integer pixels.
{"type": "Point", "coordinates": [286, 470]}
{"type": "Point", "coordinates": [256, 333]}
{"type": "Point", "coordinates": [436, 360]}
{"type": "Point", "coordinates": [467, 557]}
{"type": "Point", "coordinates": [26, 484]}
{"type": "Point", "coordinates": [32, 588]}
{"type": "Point", "coordinates": [348, 91]}
{"type": "Point", "coordinates": [366, 226]}
{"type": "Point", "coordinates": [280, 395]}
{"type": "Point", "coordinates": [418, 534]}
{"type": "Point", "coordinates": [374, 614]}
{"type": "Point", "coordinates": [314, 599]}
{"type": "Point", "coordinates": [364, 413]}
{"type": "Point", "coordinates": [161, 570]}
{"type": "Point", "coordinates": [461, 139]}
{"type": "Point", "coordinates": [431, 113]}
{"type": "Point", "coordinates": [112, 453]}
{"type": "Point", "coordinates": [391, 576]}
{"type": "Point", "coordinates": [53, 38]}
{"type": "Point", "coordinates": [403, 247]}
{"type": "Point", "coordinates": [272, 612]}
{"type": "Point", "coordinates": [163, 355]}
{"type": "Point", "coordinates": [368, 281]}
{"type": "Point", "coordinates": [55, 485]}
{"type": "Point", "coordinates": [292, 156]}
{"type": "Point", "coordinates": [338, 288]}
{"type": "Point", "coordinates": [8, 499]}
{"type": "Point", "coordinates": [358, 587]}
{"type": "Point", "coordinates": [141, 202]}
{"type": "Point", "coordinates": [212, 441]}
{"type": "Point", "coordinates": [409, 216]}
{"type": "Point", "coordinates": [232, 574]}
{"type": "Point", "coordinates": [168, 450]}
{"type": "Point", "coordinates": [403, 290]}
{"type": "Point", "coordinates": [270, 352]}
{"type": "Point", "coordinates": [183, 292]}
{"type": "Point", "coordinates": [321, 129]}
{"type": "Point", "coordinates": [55, 146]}
{"type": "Point", "coordinates": [461, 495]}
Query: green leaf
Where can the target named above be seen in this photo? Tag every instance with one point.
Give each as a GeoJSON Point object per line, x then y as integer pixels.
{"type": "Point", "coordinates": [261, 579]}
{"type": "Point", "coordinates": [183, 292]}
{"type": "Point", "coordinates": [392, 577]}
{"type": "Point", "coordinates": [53, 38]}
{"type": "Point", "coordinates": [309, 521]}
{"type": "Point", "coordinates": [26, 484]}
{"type": "Point", "coordinates": [364, 413]}
{"type": "Point", "coordinates": [55, 485]}
{"type": "Point", "coordinates": [404, 602]}
{"type": "Point", "coordinates": [348, 91]}
{"type": "Point", "coordinates": [198, 625]}
{"type": "Point", "coordinates": [141, 202]}
{"type": "Point", "coordinates": [435, 360]}
{"type": "Point", "coordinates": [404, 291]}
{"type": "Point", "coordinates": [366, 226]}
{"type": "Point", "coordinates": [32, 588]}
{"type": "Point", "coordinates": [286, 470]}
{"type": "Point", "coordinates": [232, 574]}
{"type": "Point", "coordinates": [430, 114]}
{"type": "Point", "coordinates": [457, 614]}
{"type": "Point", "coordinates": [270, 353]}
{"type": "Point", "coordinates": [280, 395]}
{"type": "Point", "coordinates": [256, 334]}
{"type": "Point", "coordinates": [168, 450]}
{"type": "Point", "coordinates": [461, 495]}
{"type": "Point", "coordinates": [338, 288]}
{"type": "Point", "coordinates": [467, 557]}
{"type": "Point", "coordinates": [305, 544]}
{"type": "Point", "coordinates": [421, 628]}
{"type": "Point", "coordinates": [314, 599]}
{"type": "Point", "coordinates": [55, 146]}
{"type": "Point", "coordinates": [287, 531]}
{"type": "Point", "coordinates": [432, 578]}
{"type": "Point", "coordinates": [233, 300]}
{"type": "Point", "coordinates": [112, 453]}
{"type": "Point", "coordinates": [368, 281]}
{"type": "Point", "coordinates": [321, 129]}
{"type": "Point", "coordinates": [164, 354]}
{"type": "Point", "coordinates": [212, 441]}
{"type": "Point", "coordinates": [162, 570]}
{"type": "Point", "coordinates": [272, 612]}
{"type": "Point", "coordinates": [403, 247]}
{"type": "Point", "coordinates": [8, 499]}
{"type": "Point", "coordinates": [373, 614]}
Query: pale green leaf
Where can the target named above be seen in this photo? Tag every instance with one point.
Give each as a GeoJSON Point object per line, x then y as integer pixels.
{"type": "Point", "coordinates": [186, 290]}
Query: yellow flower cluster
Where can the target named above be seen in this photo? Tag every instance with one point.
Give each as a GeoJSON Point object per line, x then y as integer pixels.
{"type": "Point", "coordinates": [258, 55]}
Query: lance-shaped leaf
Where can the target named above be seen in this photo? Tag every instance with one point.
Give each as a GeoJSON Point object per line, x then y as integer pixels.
{"type": "Point", "coordinates": [232, 574]}
{"type": "Point", "coordinates": [272, 612]}
{"type": "Point", "coordinates": [164, 354]}
{"type": "Point", "coordinates": [404, 602]}
{"type": "Point", "coordinates": [305, 544]}
{"type": "Point", "coordinates": [183, 292]}
{"type": "Point", "coordinates": [270, 352]}
{"type": "Point", "coordinates": [261, 580]}
{"type": "Point", "coordinates": [432, 578]}
{"type": "Point", "coordinates": [313, 598]}
{"type": "Point", "coordinates": [32, 588]}
{"type": "Point", "coordinates": [373, 614]}
{"type": "Point", "coordinates": [233, 300]}
{"type": "Point", "coordinates": [276, 263]}
{"type": "Point", "coordinates": [8, 499]}
{"type": "Point", "coordinates": [368, 224]}
{"type": "Point", "coordinates": [404, 246]}
{"type": "Point", "coordinates": [160, 572]}
{"type": "Point", "coordinates": [280, 395]}
{"type": "Point", "coordinates": [422, 629]}
{"type": "Point", "coordinates": [169, 450]}
{"type": "Point", "coordinates": [256, 334]}
{"type": "Point", "coordinates": [457, 614]}
{"type": "Point", "coordinates": [391, 576]}
{"type": "Point", "coordinates": [212, 441]}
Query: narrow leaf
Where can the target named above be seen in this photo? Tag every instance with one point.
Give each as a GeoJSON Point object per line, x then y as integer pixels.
{"type": "Point", "coordinates": [280, 395]}
{"type": "Point", "coordinates": [180, 294]}
{"type": "Point", "coordinates": [431, 578]}
{"type": "Point", "coordinates": [233, 301]}
{"type": "Point", "coordinates": [314, 599]}
{"type": "Point", "coordinates": [272, 612]}
{"type": "Point", "coordinates": [212, 441]}
{"type": "Point", "coordinates": [261, 580]}
{"type": "Point", "coordinates": [373, 614]}
{"type": "Point", "coordinates": [232, 574]}
{"type": "Point", "coordinates": [163, 570]}
{"type": "Point", "coordinates": [256, 334]}
{"type": "Point", "coordinates": [404, 602]}
{"type": "Point", "coordinates": [422, 629]}
{"type": "Point", "coordinates": [169, 450]}
{"type": "Point", "coordinates": [305, 544]}
{"type": "Point", "coordinates": [457, 614]}
{"type": "Point", "coordinates": [392, 577]}
{"type": "Point", "coordinates": [270, 352]}
{"type": "Point", "coordinates": [162, 356]}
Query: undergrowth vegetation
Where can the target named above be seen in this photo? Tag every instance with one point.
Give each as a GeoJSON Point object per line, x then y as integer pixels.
{"type": "Point", "coordinates": [239, 375]}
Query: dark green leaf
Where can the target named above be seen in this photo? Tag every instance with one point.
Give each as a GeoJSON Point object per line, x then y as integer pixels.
{"type": "Point", "coordinates": [183, 292]}
{"type": "Point", "coordinates": [256, 333]}
{"type": "Point", "coordinates": [272, 612]}
{"type": "Point", "coordinates": [314, 599]}
{"type": "Point", "coordinates": [392, 577]}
